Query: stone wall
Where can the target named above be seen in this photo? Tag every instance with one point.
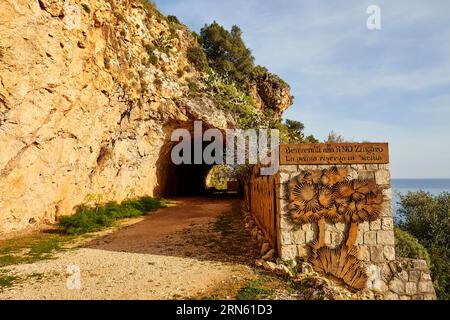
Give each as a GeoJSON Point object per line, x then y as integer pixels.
{"type": "Point", "coordinates": [405, 279]}
{"type": "Point", "coordinates": [376, 239]}
{"type": "Point", "coordinates": [388, 277]}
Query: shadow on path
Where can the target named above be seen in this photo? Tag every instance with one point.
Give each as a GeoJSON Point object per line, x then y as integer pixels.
{"type": "Point", "coordinates": [200, 228]}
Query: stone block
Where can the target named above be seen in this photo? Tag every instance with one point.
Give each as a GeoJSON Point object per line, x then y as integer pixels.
{"type": "Point", "coordinates": [420, 264]}
{"type": "Point", "coordinates": [336, 238]}
{"type": "Point", "coordinates": [376, 254]}
{"type": "Point", "coordinates": [391, 296]}
{"type": "Point", "coordinates": [360, 239]}
{"type": "Point", "coordinates": [310, 236]}
{"type": "Point", "coordinates": [363, 253]}
{"type": "Point", "coordinates": [372, 167]}
{"type": "Point", "coordinates": [340, 227]}
{"type": "Point", "coordinates": [425, 287]}
{"type": "Point", "coordinates": [386, 238]}
{"type": "Point", "coordinates": [389, 253]}
{"type": "Point", "coordinates": [358, 167]}
{"type": "Point", "coordinates": [288, 252]}
{"type": "Point", "coordinates": [363, 227]}
{"type": "Point", "coordinates": [429, 296]}
{"type": "Point", "coordinates": [289, 168]}
{"type": "Point", "coordinates": [387, 223]}
{"type": "Point", "coordinates": [405, 298]}
{"type": "Point", "coordinates": [285, 177]}
{"type": "Point", "coordinates": [370, 238]}
{"type": "Point", "coordinates": [374, 277]}
{"type": "Point", "coordinates": [414, 276]}
{"type": "Point", "coordinates": [382, 177]}
{"type": "Point", "coordinates": [397, 286]}
{"type": "Point", "coordinates": [386, 272]}
{"type": "Point", "coordinates": [425, 276]}
{"type": "Point", "coordinates": [366, 175]}
{"type": "Point", "coordinates": [307, 227]}
{"type": "Point", "coordinates": [386, 209]}
{"type": "Point", "coordinates": [302, 251]}
{"type": "Point", "coordinates": [387, 193]}
{"type": "Point", "coordinates": [299, 237]}
{"type": "Point", "coordinates": [353, 174]}
{"type": "Point", "coordinates": [285, 223]}
{"type": "Point", "coordinates": [375, 225]}
{"type": "Point", "coordinates": [411, 288]}
{"type": "Point", "coordinates": [286, 237]}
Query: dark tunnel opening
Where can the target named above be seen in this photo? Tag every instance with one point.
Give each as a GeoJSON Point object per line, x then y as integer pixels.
{"type": "Point", "coordinates": [184, 180]}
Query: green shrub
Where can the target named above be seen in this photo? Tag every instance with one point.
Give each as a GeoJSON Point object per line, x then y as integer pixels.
{"type": "Point", "coordinates": [193, 87]}
{"type": "Point", "coordinates": [150, 8]}
{"type": "Point", "coordinates": [407, 246]}
{"type": "Point", "coordinates": [198, 58]}
{"type": "Point", "coordinates": [173, 19]}
{"type": "Point", "coordinates": [90, 219]}
{"type": "Point", "coordinates": [227, 52]}
{"type": "Point", "coordinates": [157, 82]}
{"type": "Point", "coordinates": [427, 218]}
{"type": "Point", "coordinates": [151, 54]}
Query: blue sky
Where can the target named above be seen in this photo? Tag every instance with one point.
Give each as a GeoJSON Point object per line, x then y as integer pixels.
{"type": "Point", "coordinates": [382, 85]}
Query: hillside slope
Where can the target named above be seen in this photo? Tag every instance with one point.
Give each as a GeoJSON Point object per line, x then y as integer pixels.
{"type": "Point", "coordinates": [90, 92]}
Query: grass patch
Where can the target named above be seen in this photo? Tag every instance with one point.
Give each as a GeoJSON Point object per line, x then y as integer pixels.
{"type": "Point", "coordinates": [224, 224]}
{"type": "Point", "coordinates": [6, 281]}
{"type": "Point", "coordinates": [95, 218]}
{"type": "Point", "coordinates": [30, 249]}
{"type": "Point", "coordinates": [256, 289]}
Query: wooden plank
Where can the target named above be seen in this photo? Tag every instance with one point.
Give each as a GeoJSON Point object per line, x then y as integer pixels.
{"type": "Point", "coordinates": [334, 153]}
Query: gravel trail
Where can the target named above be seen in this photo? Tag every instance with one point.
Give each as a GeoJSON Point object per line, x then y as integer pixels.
{"type": "Point", "coordinates": [182, 251]}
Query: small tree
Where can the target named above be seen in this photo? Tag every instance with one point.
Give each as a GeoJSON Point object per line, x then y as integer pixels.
{"type": "Point", "coordinates": [427, 218]}
{"type": "Point", "coordinates": [226, 51]}
{"type": "Point", "coordinates": [295, 131]}
{"type": "Point", "coordinates": [334, 138]}
{"type": "Point", "coordinates": [197, 56]}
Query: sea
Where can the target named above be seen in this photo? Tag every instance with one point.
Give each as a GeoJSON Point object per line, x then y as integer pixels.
{"type": "Point", "coordinates": [403, 186]}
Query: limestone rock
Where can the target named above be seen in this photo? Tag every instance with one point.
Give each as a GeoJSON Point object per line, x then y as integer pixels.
{"type": "Point", "coordinates": [269, 255]}
{"type": "Point", "coordinates": [265, 248]}
{"type": "Point", "coordinates": [85, 113]}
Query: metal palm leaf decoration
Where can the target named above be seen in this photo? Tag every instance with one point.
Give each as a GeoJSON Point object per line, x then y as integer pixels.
{"type": "Point", "coordinates": [320, 195]}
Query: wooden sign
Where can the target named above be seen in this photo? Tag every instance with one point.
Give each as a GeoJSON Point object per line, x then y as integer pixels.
{"type": "Point", "coordinates": [334, 153]}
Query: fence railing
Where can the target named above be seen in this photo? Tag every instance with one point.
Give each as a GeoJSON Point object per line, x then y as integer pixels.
{"type": "Point", "coordinates": [261, 196]}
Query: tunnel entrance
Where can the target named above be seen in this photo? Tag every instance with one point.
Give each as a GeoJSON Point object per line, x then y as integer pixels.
{"type": "Point", "coordinates": [183, 180]}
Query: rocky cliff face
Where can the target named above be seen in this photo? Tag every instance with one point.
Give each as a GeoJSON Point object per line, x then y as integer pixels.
{"type": "Point", "coordinates": [89, 94]}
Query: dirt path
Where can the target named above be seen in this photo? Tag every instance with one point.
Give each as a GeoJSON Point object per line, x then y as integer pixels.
{"type": "Point", "coordinates": [182, 251]}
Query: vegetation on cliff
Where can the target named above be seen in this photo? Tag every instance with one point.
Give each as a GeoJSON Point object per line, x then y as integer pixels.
{"type": "Point", "coordinates": [427, 218]}
{"type": "Point", "coordinates": [254, 96]}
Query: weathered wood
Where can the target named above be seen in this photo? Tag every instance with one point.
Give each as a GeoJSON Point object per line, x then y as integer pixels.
{"type": "Point", "coordinates": [334, 153]}
{"type": "Point", "coordinates": [262, 196]}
